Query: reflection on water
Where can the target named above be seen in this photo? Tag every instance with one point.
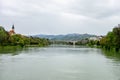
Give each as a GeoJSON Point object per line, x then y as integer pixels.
{"type": "Point", "coordinates": [13, 50]}
{"type": "Point", "coordinates": [114, 61]}
{"type": "Point", "coordinates": [59, 63]}
{"type": "Point", "coordinates": [112, 55]}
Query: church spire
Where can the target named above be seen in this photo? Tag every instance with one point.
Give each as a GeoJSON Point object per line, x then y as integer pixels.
{"type": "Point", "coordinates": [13, 27]}
{"type": "Point", "coordinates": [12, 32]}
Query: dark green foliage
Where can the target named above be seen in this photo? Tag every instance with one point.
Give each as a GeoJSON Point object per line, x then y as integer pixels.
{"type": "Point", "coordinates": [38, 41]}
{"type": "Point", "coordinates": [17, 40]}
{"type": "Point", "coordinates": [20, 40]}
{"type": "Point", "coordinates": [3, 36]}
{"type": "Point", "coordinates": [116, 32]}
{"type": "Point", "coordinates": [111, 40]}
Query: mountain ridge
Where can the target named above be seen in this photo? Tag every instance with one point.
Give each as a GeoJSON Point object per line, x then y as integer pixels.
{"type": "Point", "coordinates": [65, 37]}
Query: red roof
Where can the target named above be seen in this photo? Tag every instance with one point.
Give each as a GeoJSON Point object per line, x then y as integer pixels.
{"type": "Point", "coordinates": [11, 32]}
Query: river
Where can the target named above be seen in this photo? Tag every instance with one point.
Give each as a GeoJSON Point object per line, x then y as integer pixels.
{"type": "Point", "coordinates": [59, 63]}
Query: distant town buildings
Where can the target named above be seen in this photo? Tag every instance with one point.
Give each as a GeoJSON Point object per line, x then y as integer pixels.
{"type": "Point", "coordinates": [96, 38]}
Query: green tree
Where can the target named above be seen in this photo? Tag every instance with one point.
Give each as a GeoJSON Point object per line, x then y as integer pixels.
{"type": "Point", "coordinates": [110, 40]}
{"type": "Point", "coordinates": [103, 42]}
{"type": "Point", "coordinates": [3, 36]}
{"type": "Point", "coordinates": [17, 39]}
{"type": "Point", "coordinates": [116, 32]}
{"type": "Point", "coordinates": [21, 40]}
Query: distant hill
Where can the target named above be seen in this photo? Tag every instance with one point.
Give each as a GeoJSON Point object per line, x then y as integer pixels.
{"type": "Point", "coordinates": [67, 37]}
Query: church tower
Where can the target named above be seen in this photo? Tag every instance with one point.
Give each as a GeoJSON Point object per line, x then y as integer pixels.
{"type": "Point", "coordinates": [13, 27]}
{"type": "Point", "coordinates": [12, 32]}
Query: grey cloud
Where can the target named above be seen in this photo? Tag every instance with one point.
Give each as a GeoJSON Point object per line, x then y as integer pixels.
{"type": "Point", "coordinates": [96, 8]}
{"type": "Point", "coordinates": [60, 16]}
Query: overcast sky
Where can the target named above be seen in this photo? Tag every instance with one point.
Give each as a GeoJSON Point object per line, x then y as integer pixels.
{"type": "Point", "coordinates": [60, 16]}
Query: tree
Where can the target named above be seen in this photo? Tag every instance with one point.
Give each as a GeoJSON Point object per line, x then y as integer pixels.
{"type": "Point", "coordinates": [3, 36]}
{"type": "Point", "coordinates": [17, 39]}
{"type": "Point", "coordinates": [103, 42]}
{"type": "Point", "coordinates": [116, 32]}
{"type": "Point", "coordinates": [112, 39]}
{"type": "Point", "coordinates": [20, 40]}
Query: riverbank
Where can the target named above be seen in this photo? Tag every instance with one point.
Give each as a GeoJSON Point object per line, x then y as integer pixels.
{"type": "Point", "coordinates": [7, 39]}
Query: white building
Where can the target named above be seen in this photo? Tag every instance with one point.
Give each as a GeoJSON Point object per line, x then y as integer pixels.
{"type": "Point", "coordinates": [97, 38]}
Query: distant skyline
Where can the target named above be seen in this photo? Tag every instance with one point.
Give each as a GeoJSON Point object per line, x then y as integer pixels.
{"type": "Point", "coordinates": [31, 17]}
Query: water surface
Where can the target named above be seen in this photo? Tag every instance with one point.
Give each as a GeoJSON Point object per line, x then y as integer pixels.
{"type": "Point", "coordinates": [59, 63]}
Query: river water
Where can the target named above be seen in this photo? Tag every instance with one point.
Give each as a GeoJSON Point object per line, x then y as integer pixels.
{"type": "Point", "coordinates": [59, 63]}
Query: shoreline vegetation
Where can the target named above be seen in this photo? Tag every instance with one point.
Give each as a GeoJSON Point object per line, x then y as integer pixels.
{"type": "Point", "coordinates": [12, 39]}
{"type": "Point", "coordinates": [110, 42]}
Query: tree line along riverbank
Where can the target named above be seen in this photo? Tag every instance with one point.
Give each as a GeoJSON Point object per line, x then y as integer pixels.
{"type": "Point", "coordinates": [112, 39]}
{"type": "Point", "coordinates": [10, 38]}
{"type": "Point", "coordinates": [109, 42]}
